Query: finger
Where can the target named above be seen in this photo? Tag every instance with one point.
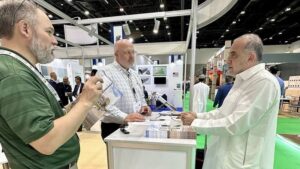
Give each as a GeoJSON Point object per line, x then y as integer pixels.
{"type": "Point", "coordinates": [95, 79]}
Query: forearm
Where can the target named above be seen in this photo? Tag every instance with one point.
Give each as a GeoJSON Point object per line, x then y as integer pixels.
{"type": "Point", "coordinates": [64, 128]}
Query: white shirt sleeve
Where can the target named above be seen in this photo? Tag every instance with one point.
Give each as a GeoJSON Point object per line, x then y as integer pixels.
{"type": "Point", "coordinates": [242, 109]}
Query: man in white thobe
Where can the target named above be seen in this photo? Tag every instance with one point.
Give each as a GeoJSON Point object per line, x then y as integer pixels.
{"type": "Point", "coordinates": [242, 131]}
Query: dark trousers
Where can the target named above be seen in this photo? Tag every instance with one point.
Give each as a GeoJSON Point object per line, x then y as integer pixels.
{"type": "Point", "coordinates": [108, 128]}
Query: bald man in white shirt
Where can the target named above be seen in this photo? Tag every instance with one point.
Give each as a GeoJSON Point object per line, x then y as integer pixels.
{"type": "Point", "coordinates": [242, 131]}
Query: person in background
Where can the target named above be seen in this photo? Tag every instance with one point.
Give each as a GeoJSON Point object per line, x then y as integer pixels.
{"type": "Point", "coordinates": [243, 130]}
{"type": "Point", "coordinates": [67, 91]}
{"type": "Point", "coordinates": [200, 96]}
{"type": "Point", "coordinates": [223, 91]}
{"type": "Point", "coordinates": [53, 80]}
{"type": "Point", "coordinates": [78, 87]}
{"type": "Point", "coordinates": [35, 133]}
{"type": "Point", "coordinates": [274, 70]}
{"type": "Point", "coordinates": [132, 104]}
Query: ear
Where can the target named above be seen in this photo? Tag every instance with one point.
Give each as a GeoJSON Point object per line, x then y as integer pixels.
{"type": "Point", "coordinates": [24, 29]}
{"type": "Point", "coordinates": [252, 57]}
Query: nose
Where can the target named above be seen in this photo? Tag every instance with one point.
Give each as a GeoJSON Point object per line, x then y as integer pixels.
{"type": "Point", "coordinates": [54, 41]}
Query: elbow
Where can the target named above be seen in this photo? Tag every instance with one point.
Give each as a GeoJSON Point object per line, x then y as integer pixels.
{"type": "Point", "coordinates": [46, 150]}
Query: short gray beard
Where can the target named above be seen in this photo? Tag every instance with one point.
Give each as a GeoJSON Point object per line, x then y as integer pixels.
{"type": "Point", "coordinates": [43, 54]}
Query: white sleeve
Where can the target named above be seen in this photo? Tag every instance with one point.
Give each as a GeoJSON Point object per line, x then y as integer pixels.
{"type": "Point", "coordinates": [251, 105]}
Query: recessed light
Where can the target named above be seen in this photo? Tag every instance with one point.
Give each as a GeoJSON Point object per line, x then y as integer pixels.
{"type": "Point", "coordinates": [162, 6]}
{"type": "Point", "coordinates": [233, 22]}
{"type": "Point", "coordinates": [109, 31]}
{"type": "Point", "coordinates": [131, 40]}
{"type": "Point", "coordinates": [121, 9]}
{"type": "Point", "coordinates": [142, 35]}
{"type": "Point", "coordinates": [57, 34]}
{"type": "Point", "coordinates": [187, 24]}
{"type": "Point", "coordinates": [243, 12]}
{"type": "Point", "coordinates": [197, 32]}
{"type": "Point", "coordinates": [261, 28]}
{"type": "Point", "coordinates": [165, 18]}
{"type": "Point", "coordinates": [61, 4]}
{"type": "Point", "coordinates": [146, 40]}
{"type": "Point", "coordinates": [137, 29]}
{"type": "Point", "coordinates": [69, 0]}
{"type": "Point", "coordinates": [130, 21]}
{"type": "Point", "coordinates": [86, 13]}
{"type": "Point", "coordinates": [272, 20]}
{"type": "Point", "coordinates": [144, 26]}
{"type": "Point", "coordinates": [279, 33]}
{"type": "Point", "coordinates": [50, 16]}
{"type": "Point", "coordinates": [227, 30]}
{"type": "Point", "coordinates": [169, 33]}
{"type": "Point", "coordinates": [155, 31]}
{"type": "Point", "coordinates": [222, 36]}
{"type": "Point", "coordinates": [286, 41]}
{"type": "Point", "coordinates": [287, 9]}
{"type": "Point", "coordinates": [167, 26]}
{"type": "Point", "coordinates": [298, 36]}
{"type": "Point", "coordinates": [271, 38]}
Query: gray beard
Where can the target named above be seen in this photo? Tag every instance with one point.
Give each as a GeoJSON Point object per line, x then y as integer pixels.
{"type": "Point", "coordinates": [44, 55]}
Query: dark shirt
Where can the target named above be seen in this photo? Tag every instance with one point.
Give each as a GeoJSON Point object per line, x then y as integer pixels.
{"type": "Point", "coordinates": [222, 93]}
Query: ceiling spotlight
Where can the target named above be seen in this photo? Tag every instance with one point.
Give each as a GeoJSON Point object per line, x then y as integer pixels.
{"type": "Point", "coordinates": [272, 20]}
{"type": "Point", "coordinates": [167, 26]}
{"type": "Point", "coordinates": [121, 9]}
{"type": "Point", "coordinates": [165, 18]}
{"type": "Point", "coordinates": [261, 28]}
{"type": "Point", "coordinates": [156, 26]}
{"type": "Point", "coordinates": [130, 21]}
{"type": "Point", "coordinates": [227, 30]}
{"type": "Point", "coordinates": [142, 35]}
{"type": "Point", "coordinates": [222, 36]}
{"type": "Point", "coordinates": [137, 29]}
{"type": "Point", "coordinates": [61, 4]}
{"type": "Point", "coordinates": [233, 22]}
{"type": "Point", "coordinates": [197, 32]}
{"type": "Point", "coordinates": [298, 36]}
{"type": "Point", "coordinates": [69, 0]}
{"type": "Point", "coordinates": [57, 34]}
{"type": "Point", "coordinates": [271, 38]}
{"type": "Point", "coordinates": [162, 6]}
{"type": "Point", "coordinates": [287, 9]}
{"type": "Point", "coordinates": [243, 12]}
{"type": "Point", "coordinates": [187, 24]}
{"type": "Point", "coordinates": [146, 40]}
{"type": "Point", "coordinates": [86, 13]}
{"type": "Point", "coordinates": [50, 16]}
{"type": "Point", "coordinates": [279, 33]}
{"type": "Point", "coordinates": [169, 33]}
{"type": "Point", "coordinates": [286, 41]}
{"type": "Point", "coordinates": [126, 29]}
{"type": "Point", "coordinates": [101, 23]}
{"type": "Point", "coordinates": [131, 40]}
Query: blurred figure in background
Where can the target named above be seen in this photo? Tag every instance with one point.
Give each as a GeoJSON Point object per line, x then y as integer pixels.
{"type": "Point", "coordinates": [223, 91]}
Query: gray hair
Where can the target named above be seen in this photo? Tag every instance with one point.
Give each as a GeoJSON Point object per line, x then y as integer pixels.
{"type": "Point", "coordinates": [254, 43]}
{"type": "Point", "coordinates": [12, 11]}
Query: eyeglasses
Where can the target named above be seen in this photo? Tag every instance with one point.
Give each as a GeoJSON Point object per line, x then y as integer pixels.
{"type": "Point", "coordinates": [15, 13]}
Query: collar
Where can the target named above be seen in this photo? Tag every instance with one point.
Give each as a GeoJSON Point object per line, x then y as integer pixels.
{"type": "Point", "coordinates": [120, 68]}
{"type": "Point", "coordinates": [247, 74]}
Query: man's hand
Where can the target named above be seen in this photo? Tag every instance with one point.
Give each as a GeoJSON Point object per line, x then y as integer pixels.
{"type": "Point", "coordinates": [91, 91]}
{"type": "Point", "coordinates": [134, 117]}
{"type": "Point", "coordinates": [188, 117]}
{"type": "Point", "coordinates": [146, 111]}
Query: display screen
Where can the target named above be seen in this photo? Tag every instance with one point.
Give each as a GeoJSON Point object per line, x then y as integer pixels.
{"type": "Point", "coordinates": [159, 80]}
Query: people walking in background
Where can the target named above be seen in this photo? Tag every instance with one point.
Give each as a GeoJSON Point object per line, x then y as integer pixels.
{"type": "Point", "coordinates": [223, 91]}
{"type": "Point", "coordinates": [200, 96]}
{"type": "Point", "coordinates": [78, 87]}
{"type": "Point", "coordinates": [274, 70]}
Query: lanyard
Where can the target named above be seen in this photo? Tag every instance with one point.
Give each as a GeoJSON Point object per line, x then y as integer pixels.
{"type": "Point", "coordinates": [34, 70]}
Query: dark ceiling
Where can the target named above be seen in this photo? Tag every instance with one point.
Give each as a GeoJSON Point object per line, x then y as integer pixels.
{"type": "Point", "coordinates": [276, 21]}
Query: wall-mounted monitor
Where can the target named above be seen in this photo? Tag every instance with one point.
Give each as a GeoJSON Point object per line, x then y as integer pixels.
{"type": "Point", "coordinates": [160, 80]}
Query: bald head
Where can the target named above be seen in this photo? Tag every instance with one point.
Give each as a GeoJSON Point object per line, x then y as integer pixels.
{"type": "Point", "coordinates": [53, 76]}
{"type": "Point", "coordinates": [124, 53]}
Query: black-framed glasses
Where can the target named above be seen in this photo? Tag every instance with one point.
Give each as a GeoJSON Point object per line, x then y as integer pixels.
{"type": "Point", "coordinates": [15, 13]}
